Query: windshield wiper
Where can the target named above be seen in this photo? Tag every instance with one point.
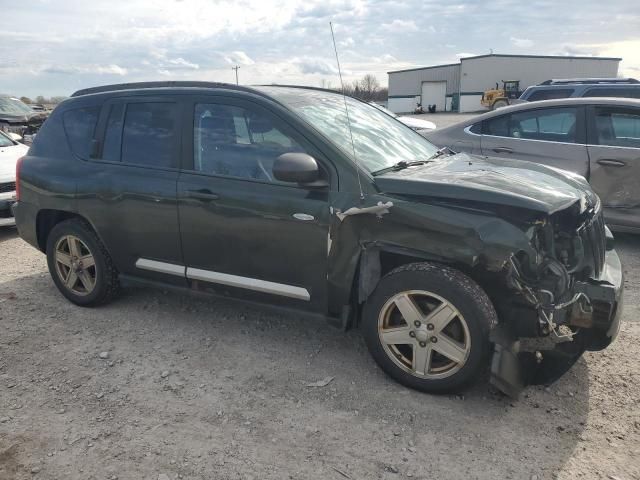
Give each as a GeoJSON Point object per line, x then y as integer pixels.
{"type": "Point", "coordinates": [401, 165]}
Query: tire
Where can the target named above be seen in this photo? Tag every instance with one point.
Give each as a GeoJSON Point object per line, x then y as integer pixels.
{"type": "Point", "coordinates": [95, 284]}
{"type": "Point", "coordinates": [463, 317]}
{"type": "Point", "coordinates": [499, 104]}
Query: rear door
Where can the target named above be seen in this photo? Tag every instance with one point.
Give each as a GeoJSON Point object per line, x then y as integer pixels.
{"type": "Point", "coordinates": [128, 187]}
{"type": "Point", "coordinates": [553, 136]}
{"type": "Point", "coordinates": [614, 152]}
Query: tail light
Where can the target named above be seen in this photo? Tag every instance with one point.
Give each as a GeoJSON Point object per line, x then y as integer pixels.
{"type": "Point", "coordinates": [18, 166]}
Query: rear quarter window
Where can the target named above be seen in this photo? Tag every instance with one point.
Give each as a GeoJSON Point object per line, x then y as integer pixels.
{"type": "Point", "coordinates": [550, 94]}
{"type": "Point", "coordinates": [79, 126]}
{"type": "Point", "coordinates": [626, 92]}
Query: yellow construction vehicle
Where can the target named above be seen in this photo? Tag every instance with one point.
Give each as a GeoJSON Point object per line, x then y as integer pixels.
{"type": "Point", "coordinates": [501, 97]}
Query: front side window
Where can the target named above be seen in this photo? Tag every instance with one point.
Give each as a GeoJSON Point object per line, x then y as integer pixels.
{"type": "Point", "coordinates": [379, 140]}
{"type": "Point", "coordinates": [551, 125]}
{"type": "Point", "coordinates": [149, 134]}
{"type": "Point", "coordinates": [619, 128]}
{"type": "Point", "coordinates": [79, 125]}
{"type": "Point", "coordinates": [238, 142]}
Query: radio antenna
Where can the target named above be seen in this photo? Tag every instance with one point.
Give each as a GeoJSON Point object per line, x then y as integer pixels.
{"type": "Point", "coordinates": [346, 109]}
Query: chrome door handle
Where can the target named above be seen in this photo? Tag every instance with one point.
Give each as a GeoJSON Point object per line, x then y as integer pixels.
{"type": "Point", "coordinates": [203, 194]}
{"type": "Point", "coordinates": [305, 217]}
{"type": "Point", "coordinates": [503, 150]}
{"type": "Point", "coordinates": [611, 162]}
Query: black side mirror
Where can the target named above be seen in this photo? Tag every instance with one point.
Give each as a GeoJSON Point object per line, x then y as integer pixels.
{"type": "Point", "coordinates": [297, 168]}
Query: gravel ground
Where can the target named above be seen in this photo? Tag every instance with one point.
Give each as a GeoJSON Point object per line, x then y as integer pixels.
{"type": "Point", "coordinates": [162, 386]}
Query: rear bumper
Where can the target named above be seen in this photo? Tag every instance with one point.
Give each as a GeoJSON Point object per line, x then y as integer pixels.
{"type": "Point", "coordinates": [25, 218]}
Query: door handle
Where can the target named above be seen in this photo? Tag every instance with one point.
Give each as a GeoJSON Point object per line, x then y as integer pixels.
{"type": "Point", "coordinates": [609, 162]}
{"type": "Point", "coordinates": [203, 194]}
{"type": "Point", "coordinates": [503, 150]}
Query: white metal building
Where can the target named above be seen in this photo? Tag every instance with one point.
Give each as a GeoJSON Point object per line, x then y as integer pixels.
{"type": "Point", "coordinates": [459, 86]}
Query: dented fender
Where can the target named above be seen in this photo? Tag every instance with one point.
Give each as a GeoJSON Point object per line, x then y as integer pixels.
{"type": "Point", "coordinates": [381, 223]}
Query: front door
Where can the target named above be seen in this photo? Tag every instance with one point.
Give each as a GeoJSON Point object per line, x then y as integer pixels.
{"type": "Point", "coordinates": [244, 233]}
{"type": "Point", "coordinates": [614, 152]}
{"type": "Point", "coordinates": [550, 136]}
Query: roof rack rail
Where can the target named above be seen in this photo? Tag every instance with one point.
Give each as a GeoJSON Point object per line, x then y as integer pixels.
{"type": "Point", "coordinates": [166, 84]}
{"type": "Point", "coordinates": [589, 81]}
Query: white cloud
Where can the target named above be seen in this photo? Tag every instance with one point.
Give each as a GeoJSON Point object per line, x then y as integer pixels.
{"type": "Point", "coordinates": [401, 26]}
{"type": "Point", "coordinates": [238, 57]}
{"type": "Point", "coordinates": [521, 42]}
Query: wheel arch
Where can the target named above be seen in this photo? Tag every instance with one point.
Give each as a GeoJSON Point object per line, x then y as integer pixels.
{"type": "Point", "coordinates": [46, 219]}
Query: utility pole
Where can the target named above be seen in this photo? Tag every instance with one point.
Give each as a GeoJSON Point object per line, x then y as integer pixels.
{"type": "Point", "coordinates": [236, 69]}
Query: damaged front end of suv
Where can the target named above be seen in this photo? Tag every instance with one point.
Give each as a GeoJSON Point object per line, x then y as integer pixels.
{"type": "Point", "coordinates": [568, 292]}
{"type": "Point", "coordinates": [533, 237]}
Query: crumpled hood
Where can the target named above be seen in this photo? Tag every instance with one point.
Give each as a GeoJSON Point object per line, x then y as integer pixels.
{"type": "Point", "coordinates": [491, 180]}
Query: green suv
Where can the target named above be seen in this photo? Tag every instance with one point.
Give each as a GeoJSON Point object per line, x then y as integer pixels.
{"type": "Point", "coordinates": [300, 198]}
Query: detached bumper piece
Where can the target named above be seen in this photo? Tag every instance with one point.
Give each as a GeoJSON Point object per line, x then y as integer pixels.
{"type": "Point", "coordinates": [518, 362]}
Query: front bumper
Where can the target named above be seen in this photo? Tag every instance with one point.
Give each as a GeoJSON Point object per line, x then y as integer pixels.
{"type": "Point", "coordinates": [7, 200]}
{"type": "Point", "coordinates": [606, 296]}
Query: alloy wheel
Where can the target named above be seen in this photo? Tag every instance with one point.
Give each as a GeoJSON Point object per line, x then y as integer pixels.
{"type": "Point", "coordinates": [75, 265]}
{"type": "Point", "coordinates": [424, 334]}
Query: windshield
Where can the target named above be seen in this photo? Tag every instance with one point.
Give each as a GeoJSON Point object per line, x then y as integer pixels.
{"type": "Point", "coordinates": [5, 141]}
{"type": "Point", "coordinates": [379, 140]}
{"type": "Point", "coordinates": [13, 106]}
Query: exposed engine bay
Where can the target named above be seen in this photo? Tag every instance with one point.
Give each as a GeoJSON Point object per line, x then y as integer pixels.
{"type": "Point", "coordinates": [562, 309]}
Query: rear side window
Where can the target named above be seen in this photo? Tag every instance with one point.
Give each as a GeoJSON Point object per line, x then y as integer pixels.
{"type": "Point", "coordinates": [550, 94]}
{"type": "Point", "coordinates": [80, 125]}
{"type": "Point", "coordinates": [627, 92]}
{"type": "Point", "coordinates": [149, 134]}
{"type": "Point", "coordinates": [619, 128]}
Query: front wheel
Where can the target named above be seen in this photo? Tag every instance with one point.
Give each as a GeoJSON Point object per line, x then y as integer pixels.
{"type": "Point", "coordinates": [427, 326]}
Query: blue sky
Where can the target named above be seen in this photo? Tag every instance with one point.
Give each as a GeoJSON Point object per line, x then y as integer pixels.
{"type": "Point", "coordinates": [53, 47]}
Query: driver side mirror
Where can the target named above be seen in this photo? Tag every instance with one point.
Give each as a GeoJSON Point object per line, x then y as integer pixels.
{"type": "Point", "coordinates": [297, 167]}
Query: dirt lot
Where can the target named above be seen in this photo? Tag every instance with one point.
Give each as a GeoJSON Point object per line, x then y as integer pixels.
{"type": "Point", "coordinates": [196, 388]}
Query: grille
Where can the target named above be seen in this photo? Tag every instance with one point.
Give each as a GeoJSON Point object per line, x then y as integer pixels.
{"type": "Point", "coordinates": [7, 187]}
{"type": "Point", "coordinates": [593, 235]}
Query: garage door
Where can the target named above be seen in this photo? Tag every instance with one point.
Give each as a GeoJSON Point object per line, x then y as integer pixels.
{"type": "Point", "coordinates": [434, 93]}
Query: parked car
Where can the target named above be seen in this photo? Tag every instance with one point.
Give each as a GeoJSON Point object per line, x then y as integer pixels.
{"type": "Point", "coordinates": [18, 118]}
{"type": "Point", "coordinates": [582, 87]}
{"type": "Point", "coordinates": [10, 152]}
{"type": "Point", "coordinates": [414, 123]}
{"type": "Point", "coordinates": [266, 194]}
{"type": "Point", "coordinates": [598, 138]}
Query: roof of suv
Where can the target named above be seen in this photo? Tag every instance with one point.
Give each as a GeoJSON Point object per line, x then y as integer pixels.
{"type": "Point", "coordinates": [118, 87]}
{"type": "Point", "coordinates": [562, 102]}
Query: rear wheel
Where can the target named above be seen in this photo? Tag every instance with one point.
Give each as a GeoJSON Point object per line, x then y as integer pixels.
{"type": "Point", "coordinates": [428, 325]}
{"type": "Point", "coordinates": [79, 264]}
